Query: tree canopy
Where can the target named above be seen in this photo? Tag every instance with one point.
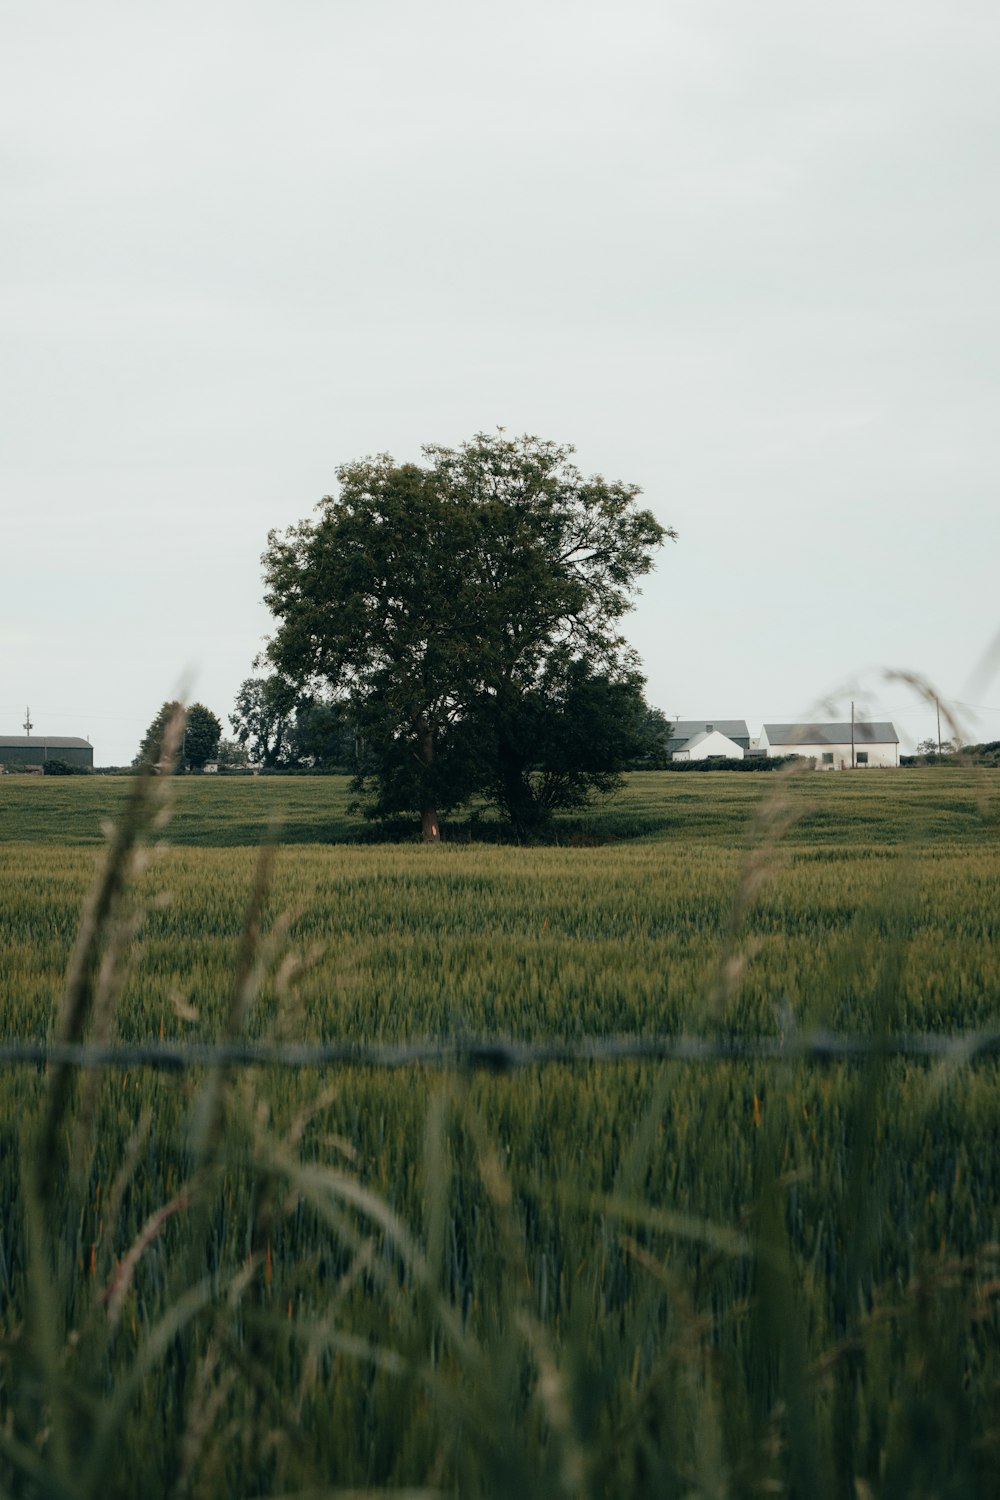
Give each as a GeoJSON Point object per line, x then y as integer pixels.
{"type": "Point", "coordinates": [262, 718]}
{"type": "Point", "coordinates": [466, 612]}
{"type": "Point", "coordinates": [199, 741]}
{"type": "Point", "coordinates": [279, 728]}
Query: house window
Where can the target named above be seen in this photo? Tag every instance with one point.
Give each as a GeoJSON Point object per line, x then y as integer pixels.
{"type": "Point", "coordinates": [862, 757]}
{"type": "Point", "coordinates": [828, 757]}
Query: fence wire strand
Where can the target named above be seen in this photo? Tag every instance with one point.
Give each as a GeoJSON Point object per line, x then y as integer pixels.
{"type": "Point", "coordinates": [502, 1056]}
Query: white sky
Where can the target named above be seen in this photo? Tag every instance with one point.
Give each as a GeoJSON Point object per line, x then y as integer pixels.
{"type": "Point", "coordinates": [744, 255]}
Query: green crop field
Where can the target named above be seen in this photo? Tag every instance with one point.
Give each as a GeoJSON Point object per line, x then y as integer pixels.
{"type": "Point", "coordinates": [610, 1278]}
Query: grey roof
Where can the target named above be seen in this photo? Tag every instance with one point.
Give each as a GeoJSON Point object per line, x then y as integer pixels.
{"type": "Point", "coordinates": [879, 733]}
{"type": "Point", "coordinates": [684, 729]}
{"type": "Point", "coordinates": [51, 741]}
{"type": "Point", "coordinates": [699, 739]}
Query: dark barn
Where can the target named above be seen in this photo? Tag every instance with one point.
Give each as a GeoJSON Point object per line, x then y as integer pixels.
{"type": "Point", "coordinates": [19, 751]}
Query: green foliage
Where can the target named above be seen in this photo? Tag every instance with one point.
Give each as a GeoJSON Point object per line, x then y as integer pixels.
{"type": "Point", "coordinates": [652, 754]}
{"type": "Point", "coordinates": [262, 718]}
{"type": "Point", "coordinates": [283, 730]}
{"type": "Point", "coordinates": [985, 754]}
{"type": "Point", "coordinates": [560, 741]}
{"type": "Point", "coordinates": [232, 756]}
{"type": "Point", "coordinates": [197, 739]}
{"type": "Point", "coordinates": [56, 767]}
{"type": "Point", "coordinates": [202, 734]}
{"type": "Point", "coordinates": [439, 601]}
{"type": "Point", "coordinates": [931, 751]}
{"type": "Point", "coordinates": [323, 735]}
{"type": "Point", "coordinates": [151, 746]}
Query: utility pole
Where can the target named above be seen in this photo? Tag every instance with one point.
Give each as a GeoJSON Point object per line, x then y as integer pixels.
{"type": "Point", "coordinates": [854, 762]}
{"type": "Point", "coordinates": [28, 726]}
{"type": "Point", "coordinates": [937, 705]}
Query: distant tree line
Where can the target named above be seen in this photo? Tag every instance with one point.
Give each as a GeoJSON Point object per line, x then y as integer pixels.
{"type": "Point", "coordinates": [279, 729]}
{"type": "Point", "coordinates": [987, 753]}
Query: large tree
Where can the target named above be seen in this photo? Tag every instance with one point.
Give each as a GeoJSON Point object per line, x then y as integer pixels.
{"type": "Point", "coordinates": [199, 740]}
{"type": "Point", "coordinates": [442, 601]}
{"type": "Point", "coordinates": [279, 727]}
{"type": "Point", "coordinates": [262, 718]}
{"type": "Point", "coordinates": [202, 734]}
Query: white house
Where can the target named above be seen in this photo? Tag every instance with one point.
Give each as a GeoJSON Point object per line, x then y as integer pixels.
{"type": "Point", "coordinates": [709, 744]}
{"type": "Point", "coordinates": [685, 730]}
{"type": "Point", "coordinates": [830, 745]}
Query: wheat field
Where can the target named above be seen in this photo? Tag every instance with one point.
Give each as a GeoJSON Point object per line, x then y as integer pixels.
{"type": "Point", "coordinates": [601, 1279]}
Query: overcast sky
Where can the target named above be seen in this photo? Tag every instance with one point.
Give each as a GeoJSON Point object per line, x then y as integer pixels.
{"type": "Point", "coordinates": [744, 255]}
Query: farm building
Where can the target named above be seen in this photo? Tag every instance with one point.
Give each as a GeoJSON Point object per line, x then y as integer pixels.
{"type": "Point", "coordinates": [710, 744]}
{"type": "Point", "coordinates": [830, 745]}
{"type": "Point", "coordinates": [19, 751]}
{"type": "Point", "coordinates": [684, 731]}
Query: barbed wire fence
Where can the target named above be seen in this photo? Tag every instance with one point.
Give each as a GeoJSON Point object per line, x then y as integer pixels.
{"type": "Point", "coordinates": [502, 1056]}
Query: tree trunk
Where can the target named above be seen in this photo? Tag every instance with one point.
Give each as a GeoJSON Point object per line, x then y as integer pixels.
{"type": "Point", "coordinates": [516, 797]}
{"type": "Point", "coordinates": [429, 827]}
